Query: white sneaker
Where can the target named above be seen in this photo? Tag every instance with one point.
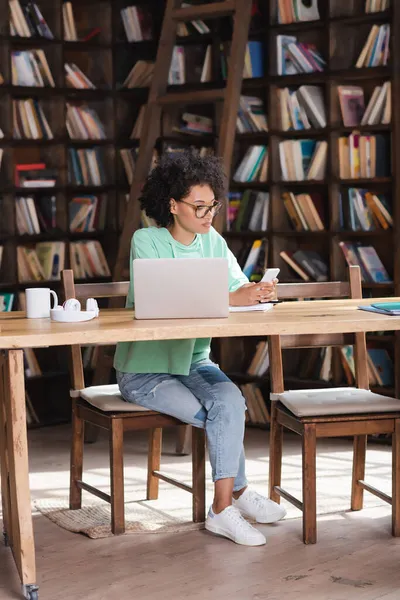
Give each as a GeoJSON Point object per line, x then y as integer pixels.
{"type": "Point", "coordinates": [257, 507]}
{"type": "Point", "coordinates": [230, 524]}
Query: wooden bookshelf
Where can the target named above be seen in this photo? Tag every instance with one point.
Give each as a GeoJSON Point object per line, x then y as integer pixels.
{"type": "Point", "coordinates": [106, 59]}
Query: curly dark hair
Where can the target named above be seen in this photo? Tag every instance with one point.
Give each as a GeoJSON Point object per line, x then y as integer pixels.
{"type": "Point", "coordinates": [173, 177]}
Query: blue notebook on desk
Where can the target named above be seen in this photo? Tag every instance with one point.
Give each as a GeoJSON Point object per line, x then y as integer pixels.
{"type": "Point", "coordinates": [375, 309]}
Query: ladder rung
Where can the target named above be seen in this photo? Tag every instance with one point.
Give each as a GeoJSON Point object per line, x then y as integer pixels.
{"type": "Point", "coordinates": [205, 11]}
{"type": "Point", "coordinates": [192, 97]}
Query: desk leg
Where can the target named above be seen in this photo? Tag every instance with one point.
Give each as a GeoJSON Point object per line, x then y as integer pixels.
{"type": "Point", "coordinates": [4, 472]}
{"type": "Point", "coordinates": [20, 527]}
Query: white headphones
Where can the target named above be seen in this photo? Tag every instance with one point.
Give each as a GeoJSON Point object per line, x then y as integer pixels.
{"type": "Point", "coordinates": [70, 311]}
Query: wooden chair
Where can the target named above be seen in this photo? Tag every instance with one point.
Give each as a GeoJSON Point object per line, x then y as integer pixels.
{"type": "Point", "coordinates": [325, 413]}
{"type": "Point", "coordinates": [104, 407]}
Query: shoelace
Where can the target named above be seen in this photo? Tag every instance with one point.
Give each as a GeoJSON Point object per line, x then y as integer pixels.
{"type": "Point", "coordinates": [236, 517]}
{"type": "Point", "coordinates": [256, 499]}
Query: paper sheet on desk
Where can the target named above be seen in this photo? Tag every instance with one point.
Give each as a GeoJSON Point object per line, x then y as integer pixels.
{"type": "Point", "coordinates": [262, 307]}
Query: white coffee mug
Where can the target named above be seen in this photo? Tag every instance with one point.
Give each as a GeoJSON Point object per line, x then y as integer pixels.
{"type": "Point", "coordinates": [38, 302]}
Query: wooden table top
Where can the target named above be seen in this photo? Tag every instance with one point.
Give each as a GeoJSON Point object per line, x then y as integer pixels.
{"type": "Point", "coordinates": [118, 325]}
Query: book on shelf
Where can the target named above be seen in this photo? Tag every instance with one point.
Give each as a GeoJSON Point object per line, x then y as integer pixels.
{"type": "Point", "coordinates": [83, 123]}
{"type": "Point", "coordinates": [42, 262]}
{"type": "Point", "coordinates": [364, 156]}
{"type": "Point", "coordinates": [303, 159]}
{"type": "Point", "coordinates": [305, 211]}
{"type": "Point", "coordinates": [297, 57]}
{"type": "Point", "coordinates": [128, 157]}
{"type": "Point", "coordinates": [309, 265]}
{"type": "Point", "coordinates": [294, 11]}
{"type": "Point", "coordinates": [88, 260]}
{"type": "Point", "coordinates": [253, 63]}
{"type": "Point", "coordinates": [260, 362]}
{"type": "Point", "coordinates": [380, 366]}
{"type": "Point", "coordinates": [364, 210]}
{"type": "Point", "coordinates": [366, 257]}
{"type": "Point", "coordinates": [251, 116]}
{"type": "Point", "coordinates": [34, 215]}
{"type": "Point", "coordinates": [352, 105]}
{"type": "Point", "coordinates": [6, 301]}
{"type": "Point", "coordinates": [194, 124]}
{"type": "Point", "coordinates": [30, 68]}
{"type": "Point", "coordinates": [76, 78]}
{"type": "Point", "coordinates": [86, 166]}
{"type": "Point", "coordinates": [137, 23]}
{"type": "Point", "coordinates": [316, 364]}
{"type": "Point", "coordinates": [253, 259]}
{"type": "Point", "coordinates": [303, 108]}
{"type": "Point", "coordinates": [253, 166]}
{"type": "Point", "coordinates": [29, 120]}
{"type": "Point", "coordinates": [87, 213]}
{"type": "Point", "coordinates": [140, 75]}
{"type": "Point", "coordinates": [372, 6]}
{"type": "Point", "coordinates": [255, 403]}
{"type": "Point", "coordinates": [32, 175]}
{"type": "Point", "coordinates": [376, 51]}
{"type": "Point", "coordinates": [248, 211]}
{"type": "Point", "coordinates": [26, 20]}
{"type": "Point", "coordinates": [70, 34]}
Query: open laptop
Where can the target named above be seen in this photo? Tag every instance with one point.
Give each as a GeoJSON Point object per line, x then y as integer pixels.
{"type": "Point", "coordinates": [180, 288]}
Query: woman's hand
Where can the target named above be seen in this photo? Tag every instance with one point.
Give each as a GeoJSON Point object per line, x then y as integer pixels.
{"type": "Point", "coordinates": [252, 293]}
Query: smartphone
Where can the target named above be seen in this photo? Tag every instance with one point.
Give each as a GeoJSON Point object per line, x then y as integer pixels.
{"type": "Point", "coordinates": [269, 275]}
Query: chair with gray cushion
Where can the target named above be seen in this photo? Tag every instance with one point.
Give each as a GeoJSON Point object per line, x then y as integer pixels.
{"type": "Point", "coordinates": [333, 412]}
{"type": "Point", "coordinates": [104, 407]}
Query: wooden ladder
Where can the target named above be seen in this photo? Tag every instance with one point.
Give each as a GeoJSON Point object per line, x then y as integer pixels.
{"type": "Point", "coordinates": [159, 98]}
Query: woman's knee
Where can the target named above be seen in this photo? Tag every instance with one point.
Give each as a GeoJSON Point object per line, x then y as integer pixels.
{"type": "Point", "coordinates": [229, 402]}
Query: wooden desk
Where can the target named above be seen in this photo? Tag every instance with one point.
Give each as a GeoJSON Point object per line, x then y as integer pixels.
{"type": "Point", "coordinates": [17, 332]}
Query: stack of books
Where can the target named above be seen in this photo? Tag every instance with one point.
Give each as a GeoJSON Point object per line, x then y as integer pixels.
{"type": "Point", "coordinates": [352, 105]}
{"type": "Point", "coordinates": [302, 108]}
{"type": "Point", "coordinates": [195, 124]}
{"type": "Point", "coordinates": [303, 159]}
{"type": "Point", "coordinates": [296, 57]}
{"type": "Point", "coordinates": [253, 166]}
{"type": "Point", "coordinates": [309, 265]}
{"type": "Point", "coordinates": [366, 257]}
{"type": "Point", "coordinates": [376, 50]}
{"type": "Point", "coordinates": [304, 211]}
{"type": "Point", "coordinates": [34, 175]}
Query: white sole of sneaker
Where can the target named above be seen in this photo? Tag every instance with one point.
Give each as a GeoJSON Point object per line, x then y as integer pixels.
{"type": "Point", "coordinates": [222, 533]}
{"type": "Point", "coordinates": [272, 519]}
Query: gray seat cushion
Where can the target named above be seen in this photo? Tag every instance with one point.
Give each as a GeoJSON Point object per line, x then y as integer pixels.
{"type": "Point", "coordinates": [109, 399]}
{"type": "Point", "coordinates": [335, 401]}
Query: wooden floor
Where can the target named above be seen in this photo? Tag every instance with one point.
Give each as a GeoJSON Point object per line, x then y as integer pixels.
{"type": "Point", "coordinates": [355, 558]}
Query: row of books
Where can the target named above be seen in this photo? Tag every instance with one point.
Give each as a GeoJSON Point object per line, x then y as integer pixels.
{"type": "Point", "coordinates": [87, 213]}
{"type": "Point", "coordinates": [253, 61]}
{"type": "Point", "coordinates": [253, 259]}
{"type": "Point", "coordinates": [352, 105]}
{"type": "Point", "coordinates": [75, 78]}
{"type": "Point", "coordinates": [303, 160]}
{"type": "Point", "coordinates": [83, 123]}
{"type": "Point", "coordinates": [86, 166]}
{"type": "Point", "coordinates": [251, 116]}
{"type": "Point", "coordinates": [32, 175]}
{"type": "Point", "coordinates": [34, 217]}
{"type": "Point", "coordinates": [137, 23]}
{"type": "Point", "coordinates": [29, 120]}
{"type": "Point", "coordinates": [380, 366]}
{"type": "Point", "coordinates": [87, 259]}
{"type": "Point", "coordinates": [376, 50]}
{"type": "Point", "coordinates": [294, 11]}
{"type": "Point", "coordinates": [366, 257]}
{"type": "Point", "coordinates": [253, 166]}
{"type": "Point", "coordinates": [364, 156]}
{"type": "Point", "coordinates": [247, 211]}
{"type": "Point", "coordinates": [42, 262]}
{"type": "Point", "coordinates": [304, 211]}
{"type": "Point", "coordinates": [297, 57]}
{"type": "Point", "coordinates": [30, 68]}
{"type": "Point", "coordinates": [302, 108]}
{"type": "Point", "coordinates": [257, 411]}
{"type": "Point", "coordinates": [372, 6]}
{"type": "Point", "coordinates": [26, 20]}
{"type": "Point", "coordinates": [363, 210]}
{"type": "Point", "coordinates": [140, 74]}
{"type": "Point", "coordinates": [307, 264]}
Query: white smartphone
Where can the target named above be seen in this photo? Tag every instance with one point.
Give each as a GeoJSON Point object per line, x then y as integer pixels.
{"type": "Point", "coordinates": [269, 275]}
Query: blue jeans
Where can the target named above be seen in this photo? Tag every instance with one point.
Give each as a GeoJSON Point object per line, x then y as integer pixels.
{"type": "Point", "coordinates": [205, 398]}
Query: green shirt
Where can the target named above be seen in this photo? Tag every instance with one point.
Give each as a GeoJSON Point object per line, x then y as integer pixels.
{"type": "Point", "coordinates": [172, 356]}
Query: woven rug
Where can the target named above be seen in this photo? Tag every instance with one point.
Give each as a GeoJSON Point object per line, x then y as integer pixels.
{"type": "Point", "coordinates": [171, 513]}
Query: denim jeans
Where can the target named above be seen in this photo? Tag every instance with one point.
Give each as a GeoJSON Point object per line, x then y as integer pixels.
{"type": "Point", "coordinates": [205, 398]}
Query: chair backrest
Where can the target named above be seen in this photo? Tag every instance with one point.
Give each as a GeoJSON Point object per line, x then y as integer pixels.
{"type": "Point", "coordinates": [315, 291]}
{"type": "Point", "coordinates": [82, 291]}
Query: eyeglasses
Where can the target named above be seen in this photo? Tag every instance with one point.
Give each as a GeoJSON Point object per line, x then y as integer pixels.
{"type": "Point", "coordinates": [202, 211]}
